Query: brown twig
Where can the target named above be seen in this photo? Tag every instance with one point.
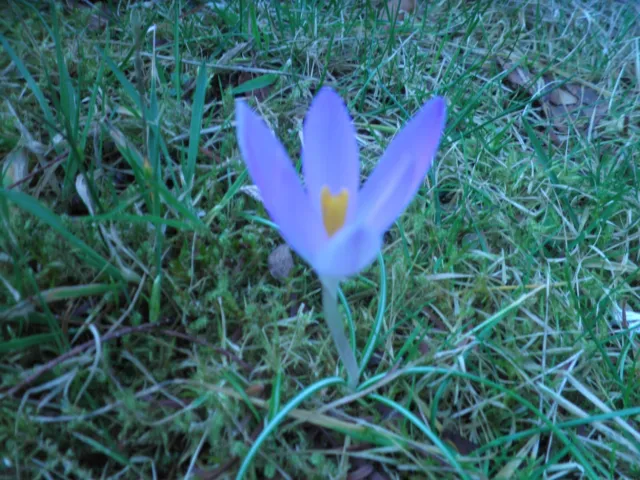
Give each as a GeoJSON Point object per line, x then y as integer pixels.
{"type": "Point", "coordinates": [147, 327]}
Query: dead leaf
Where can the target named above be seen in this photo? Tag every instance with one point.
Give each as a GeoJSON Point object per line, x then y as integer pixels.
{"type": "Point", "coordinates": [99, 16]}
{"type": "Point", "coordinates": [397, 9]}
{"type": "Point", "coordinates": [435, 320]}
{"type": "Point", "coordinates": [255, 389]}
{"type": "Point", "coordinates": [519, 77]}
{"type": "Point", "coordinates": [378, 476]}
{"type": "Point", "coordinates": [560, 96]}
{"type": "Point", "coordinates": [461, 444]}
{"type": "Point", "coordinates": [361, 473]}
{"type": "Point", "coordinates": [567, 105]}
{"type": "Point", "coordinates": [626, 318]}
{"type": "Point", "coordinates": [280, 262]}
{"type": "Point", "coordinates": [97, 22]}
{"type": "Point", "coordinates": [586, 108]}
{"type": "Point", "coordinates": [83, 191]}
{"type": "Point", "coordinates": [15, 168]}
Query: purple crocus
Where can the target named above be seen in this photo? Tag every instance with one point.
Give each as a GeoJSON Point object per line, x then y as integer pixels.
{"type": "Point", "coordinates": [335, 225]}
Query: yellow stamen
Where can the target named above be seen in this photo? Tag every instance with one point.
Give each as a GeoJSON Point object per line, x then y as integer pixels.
{"type": "Point", "coordinates": [334, 209]}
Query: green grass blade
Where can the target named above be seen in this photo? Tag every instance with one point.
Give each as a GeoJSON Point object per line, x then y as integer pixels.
{"type": "Point", "coordinates": [24, 343]}
{"type": "Point", "coordinates": [576, 422]}
{"type": "Point", "coordinates": [263, 81]}
{"type": "Point", "coordinates": [129, 88]}
{"type": "Point", "coordinates": [347, 312]}
{"type": "Point", "coordinates": [33, 85]}
{"type": "Point", "coordinates": [229, 194]}
{"type": "Point", "coordinates": [382, 305]}
{"type": "Point", "coordinates": [179, 207]}
{"type": "Point", "coordinates": [156, 289]}
{"type": "Point", "coordinates": [448, 454]}
{"type": "Point", "coordinates": [117, 216]}
{"type": "Point", "coordinates": [276, 390]}
{"type": "Point", "coordinates": [91, 108]}
{"type": "Point", "coordinates": [35, 208]}
{"type": "Point", "coordinates": [238, 387]}
{"type": "Point", "coordinates": [108, 452]}
{"type": "Point", "coordinates": [279, 418]}
{"type": "Point", "coordinates": [544, 161]}
{"type": "Point", "coordinates": [575, 449]}
{"type": "Point", "coordinates": [197, 113]}
{"type": "Point", "coordinates": [57, 294]}
{"type": "Point", "coordinates": [176, 74]}
{"type": "Point", "coordinates": [67, 93]}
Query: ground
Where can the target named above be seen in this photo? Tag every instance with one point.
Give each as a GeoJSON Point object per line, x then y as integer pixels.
{"type": "Point", "coordinates": [147, 333]}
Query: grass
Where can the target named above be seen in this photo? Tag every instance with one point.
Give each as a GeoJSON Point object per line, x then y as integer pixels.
{"type": "Point", "coordinates": [143, 335]}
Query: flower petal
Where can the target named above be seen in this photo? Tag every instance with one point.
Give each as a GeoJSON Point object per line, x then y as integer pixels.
{"type": "Point", "coordinates": [348, 252]}
{"type": "Point", "coordinates": [330, 152]}
{"type": "Point", "coordinates": [398, 176]}
{"type": "Point", "coordinates": [279, 185]}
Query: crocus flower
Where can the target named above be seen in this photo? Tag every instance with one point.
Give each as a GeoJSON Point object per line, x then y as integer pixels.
{"type": "Point", "coordinates": [333, 224]}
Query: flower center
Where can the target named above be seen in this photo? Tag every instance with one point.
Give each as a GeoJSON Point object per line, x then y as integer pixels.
{"type": "Point", "coordinates": [334, 209]}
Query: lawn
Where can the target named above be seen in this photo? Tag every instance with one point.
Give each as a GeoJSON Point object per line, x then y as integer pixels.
{"type": "Point", "coordinates": [155, 325]}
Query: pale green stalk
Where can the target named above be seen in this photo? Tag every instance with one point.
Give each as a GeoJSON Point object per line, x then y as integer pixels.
{"type": "Point", "coordinates": [332, 316]}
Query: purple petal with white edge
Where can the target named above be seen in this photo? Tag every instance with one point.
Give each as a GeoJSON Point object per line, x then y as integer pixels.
{"type": "Point", "coordinates": [330, 151]}
{"type": "Point", "coordinates": [283, 196]}
{"type": "Point", "coordinates": [348, 252]}
{"type": "Point", "coordinates": [398, 176]}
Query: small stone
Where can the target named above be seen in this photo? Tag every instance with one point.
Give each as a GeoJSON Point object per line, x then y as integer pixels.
{"type": "Point", "coordinates": [280, 262]}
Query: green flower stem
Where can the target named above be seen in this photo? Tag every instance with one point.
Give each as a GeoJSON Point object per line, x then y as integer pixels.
{"type": "Point", "coordinates": [332, 316]}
